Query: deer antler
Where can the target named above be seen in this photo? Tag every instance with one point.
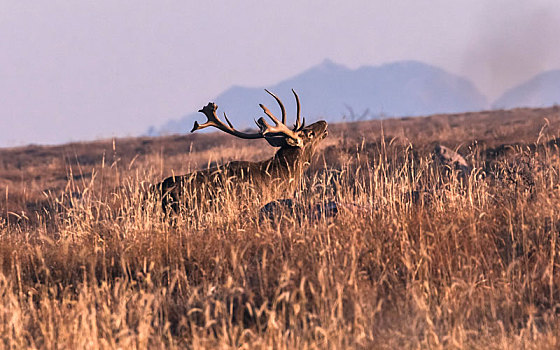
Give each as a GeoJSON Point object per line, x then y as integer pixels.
{"type": "Point", "coordinates": [281, 107]}
{"type": "Point", "coordinates": [210, 112]}
{"type": "Point", "coordinates": [280, 129]}
{"type": "Point", "coordinates": [298, 127]}
{"type": "Point", "coordinates": [277, 135]}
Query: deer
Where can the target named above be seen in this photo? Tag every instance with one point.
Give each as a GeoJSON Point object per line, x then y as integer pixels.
{"type": "Point", "coordinates": [280, 174]}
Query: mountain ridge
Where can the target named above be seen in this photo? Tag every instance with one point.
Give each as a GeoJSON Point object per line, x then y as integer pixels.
{"type": "Point", "coordinates": [329, 89]}
{"type": "Point", "coordinates": [541, 90]}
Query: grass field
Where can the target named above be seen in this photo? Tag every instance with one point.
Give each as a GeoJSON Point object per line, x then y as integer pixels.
{"type": "Point", "coordinates": [420, 257]}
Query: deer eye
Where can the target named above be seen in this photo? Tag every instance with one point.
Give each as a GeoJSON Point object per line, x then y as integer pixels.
{"type": "Point", "coordinates": [311, 134]}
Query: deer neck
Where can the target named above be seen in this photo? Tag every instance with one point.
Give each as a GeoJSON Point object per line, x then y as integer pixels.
{"type": "Point", "coordinates": [287, 163]}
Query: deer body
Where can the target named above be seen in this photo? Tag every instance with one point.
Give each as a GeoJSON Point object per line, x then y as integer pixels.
{"type": "Point", "coordinates": [280, 174]}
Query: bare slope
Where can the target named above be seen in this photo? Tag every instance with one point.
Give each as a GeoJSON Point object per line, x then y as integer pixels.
{"type": "Point", "coordinates": [29, 171]}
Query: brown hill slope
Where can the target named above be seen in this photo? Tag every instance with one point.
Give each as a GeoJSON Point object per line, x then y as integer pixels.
{"type": "Point", "coordinates": [419, 255]}
{"type": "Point", "coordinates": [26, 172]}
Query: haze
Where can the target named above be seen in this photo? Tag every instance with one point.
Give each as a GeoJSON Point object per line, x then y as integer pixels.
{"type": "Point", "coordinates": [97, 69]}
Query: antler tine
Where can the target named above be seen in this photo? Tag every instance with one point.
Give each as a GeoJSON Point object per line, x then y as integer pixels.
{"type": "Point", "coordinates": [227, 120]}
{"type": "Point", "coordinates": [297, 126]}
{"type": "Point", "coordinates": [270, 115]}
{"type": "Point", "coordinates": [210, 112]}
{"type": "Point", "coordinates": [281, 106]}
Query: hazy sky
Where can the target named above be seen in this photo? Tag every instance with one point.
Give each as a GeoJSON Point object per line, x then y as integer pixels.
{"type": "Point", "coordinates": [74, 70]}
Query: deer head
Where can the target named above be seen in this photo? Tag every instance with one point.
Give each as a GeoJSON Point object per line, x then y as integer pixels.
{"type": "Point", "coordinates": [300, 139]}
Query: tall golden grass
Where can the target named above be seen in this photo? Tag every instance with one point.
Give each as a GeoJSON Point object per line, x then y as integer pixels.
{"type": "Point", "coordinates": [419, 256]}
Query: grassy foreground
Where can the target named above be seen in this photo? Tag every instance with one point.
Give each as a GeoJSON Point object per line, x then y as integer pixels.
{"type": "Point", "coordinates": [420, 256]}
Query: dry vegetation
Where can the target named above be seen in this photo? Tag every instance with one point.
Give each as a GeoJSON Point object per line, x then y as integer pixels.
{"type": "Point", "coordinates": [425, 257]}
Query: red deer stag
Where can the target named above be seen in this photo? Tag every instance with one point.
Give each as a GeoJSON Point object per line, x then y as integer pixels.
{"type": "Point", "coordinates": [278, 175]}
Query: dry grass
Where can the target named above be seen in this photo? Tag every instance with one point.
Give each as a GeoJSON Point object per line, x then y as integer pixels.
{"type": "Point", "coordinates": [426, 258]}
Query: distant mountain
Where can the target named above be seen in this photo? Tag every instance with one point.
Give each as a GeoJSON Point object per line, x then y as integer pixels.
{"type": "Point", "coordinates": [541, 91]}
{"type": "Point", "coordinates": [330, 91]}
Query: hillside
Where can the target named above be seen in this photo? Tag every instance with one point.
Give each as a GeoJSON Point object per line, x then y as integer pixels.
{"type": "Point", "coordinates": [417, 254]}
{"type": "Point", "coordinates": [396, 89]}
{"type": "Point", "coordinates": [50, 164]}
{"type": "Point", "coordinates": [28, 173]}
{"type": "Point", "coordinates": [542, 90]}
